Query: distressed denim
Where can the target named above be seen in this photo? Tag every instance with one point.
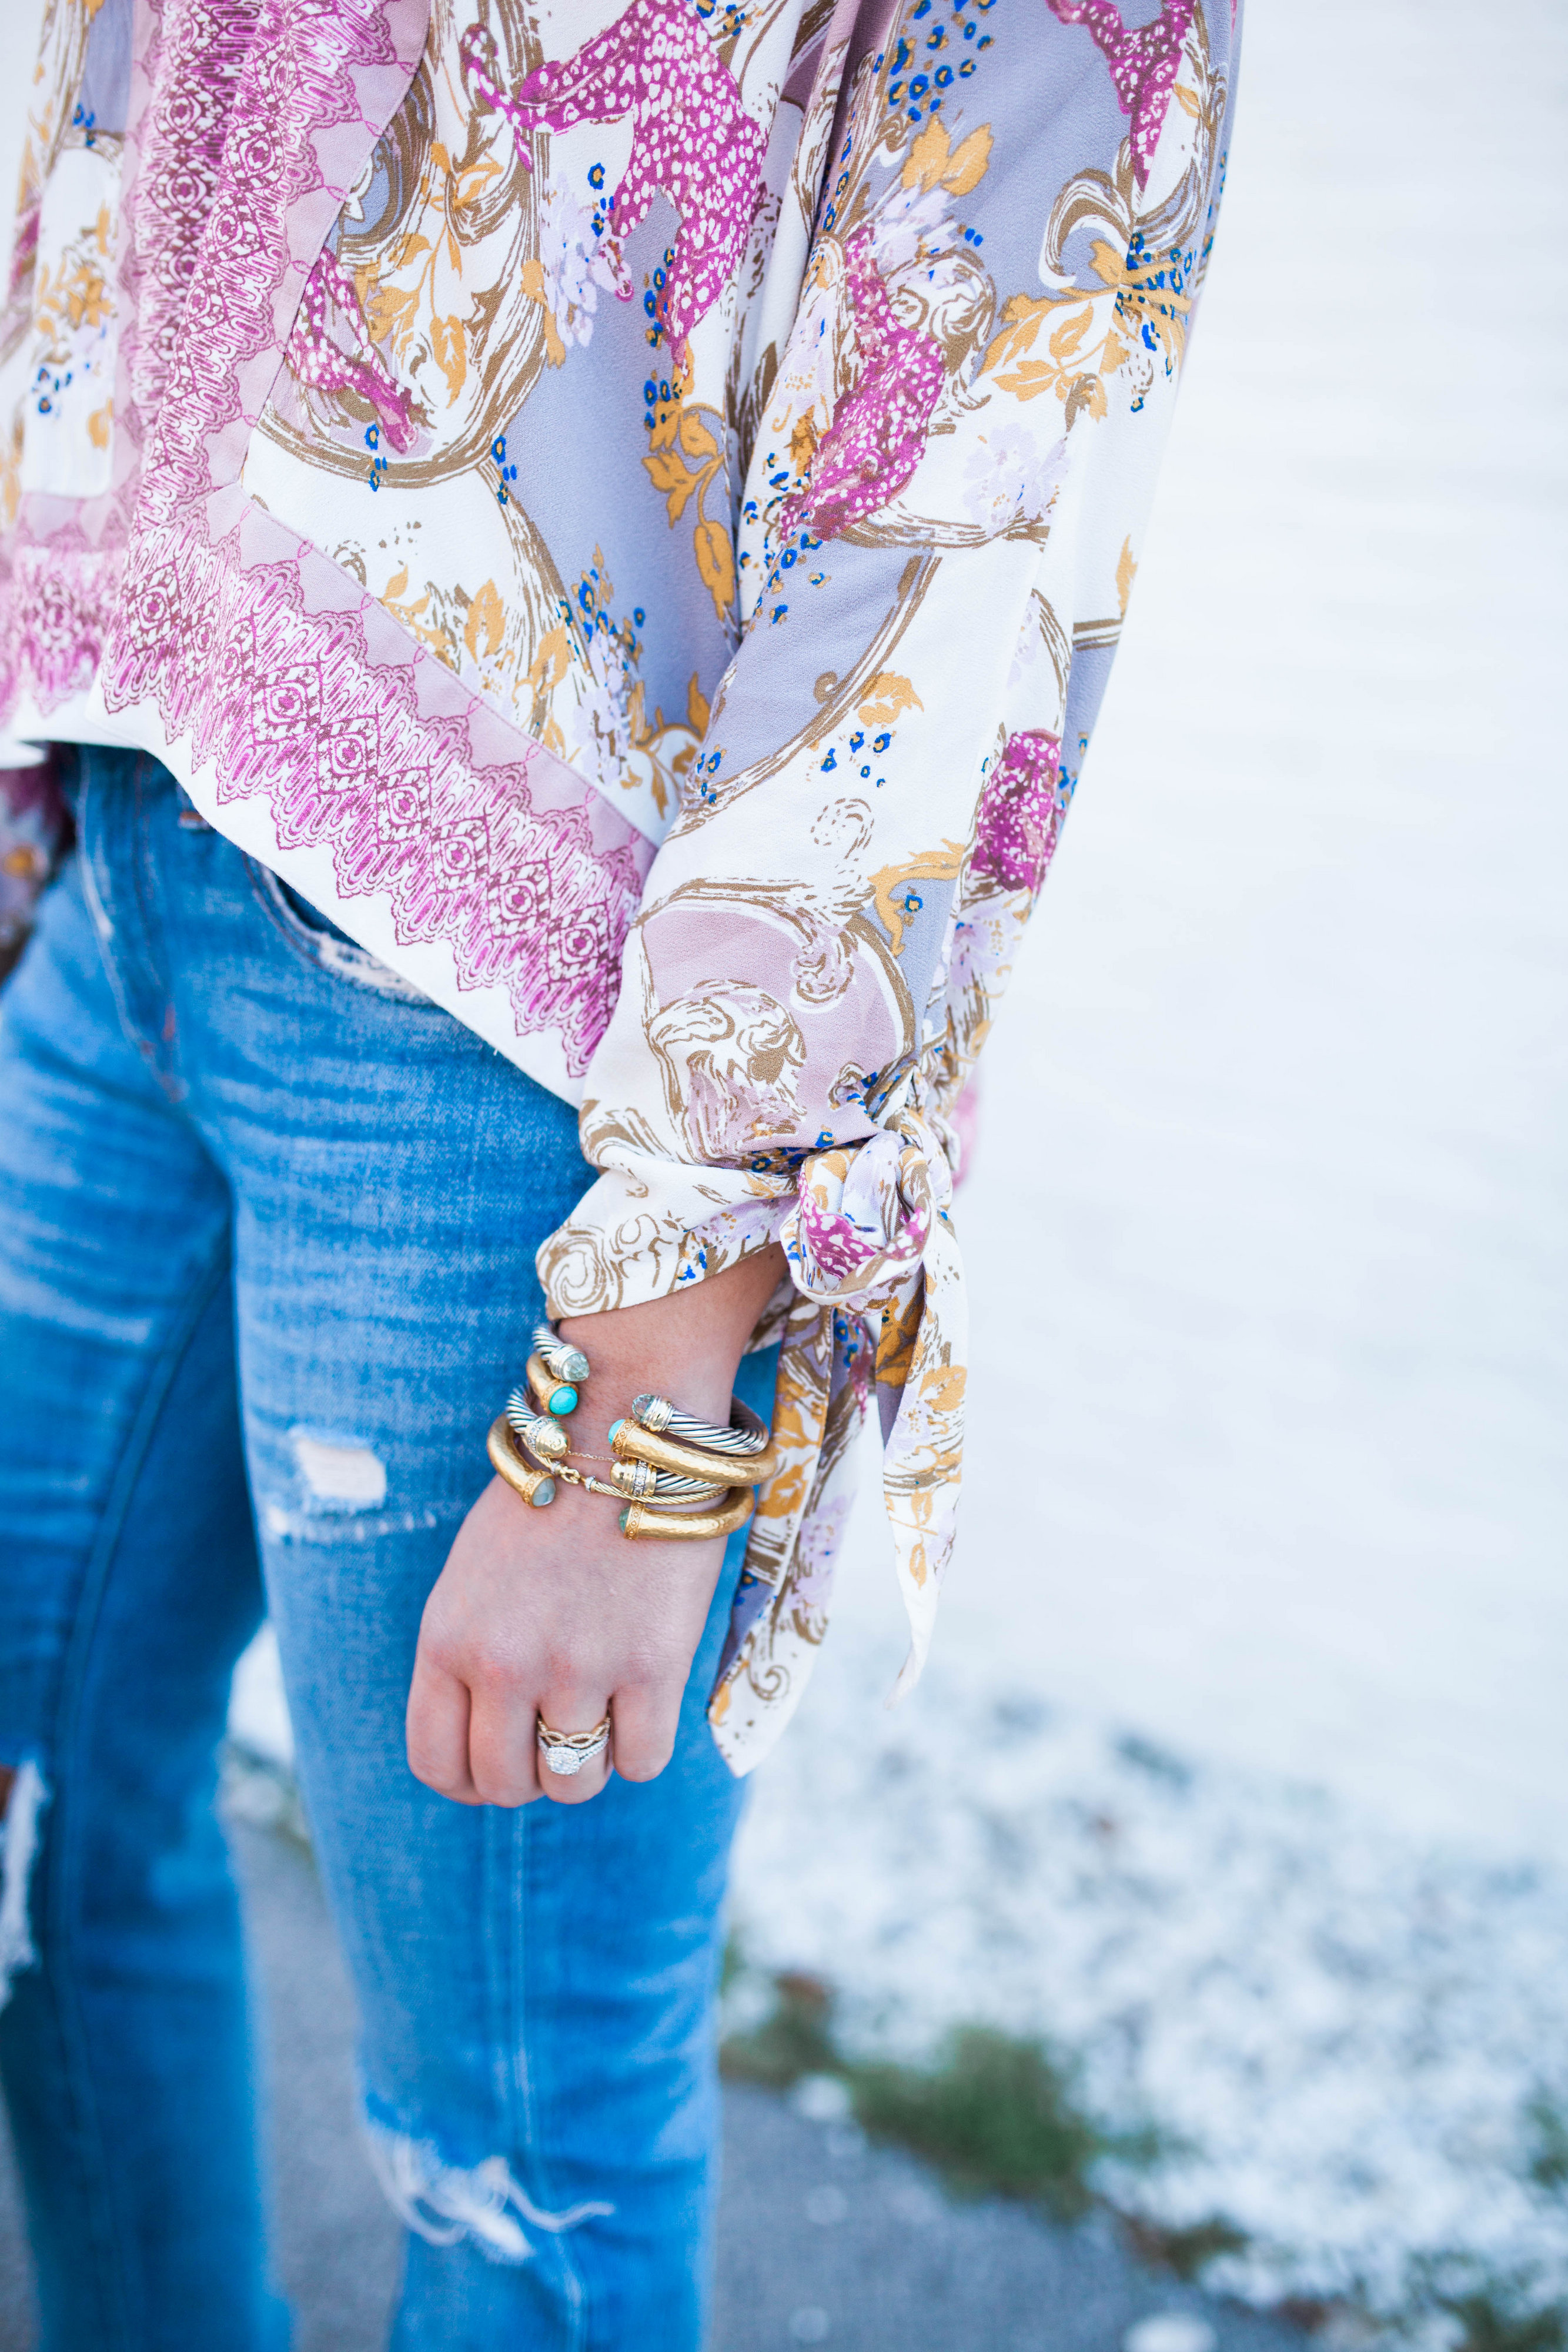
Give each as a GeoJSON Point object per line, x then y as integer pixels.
{"type": "Point", "coordinates": [267, 1223]}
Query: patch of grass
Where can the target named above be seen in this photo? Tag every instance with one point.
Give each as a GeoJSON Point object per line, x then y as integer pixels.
{"type": "Point", "coordinates": [997, 2114]}
{"type": "Point", "coordinates": [1547, 2128]}
{"type": "Point", "coordinates": [1186, 2251]}
{"type": "Point", "coordinates": [731, 1966]}
{"type": "Point", "coordinates": [1495, 2324]}
{"type": "Point", "coordinates": [796, 2039]}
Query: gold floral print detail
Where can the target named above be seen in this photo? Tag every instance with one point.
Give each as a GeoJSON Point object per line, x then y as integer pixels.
{"type": "Point", "coordinates": [485, 624]}
{"type": "Point", "coordinates": [535, 286]}
{"type": "Point", "coordinates": [78, 294]}
{"type": "Point", "coordinates": [891, 889]}
{"type": "Point", "coordinates": [896, 1342]}
{"type": "Point", "coordinates": [1126, 573]}
{"type": "Point", "coordinates": [62, 49]}
{"type": "Point", "coordinates": [414, 613]}
{"type": "Point", "coordinates": [1071, 366]}
{"type": "Point", "coordinates": [686, 456]}
{"type": "Point", "coordinates": [885, 698]}
{"type": "Point", "coordinates": [934, 163]}
{"type": "Point", "coordinates": [10, 471]}
{"type": "Point", "coordinates": [454, 190]}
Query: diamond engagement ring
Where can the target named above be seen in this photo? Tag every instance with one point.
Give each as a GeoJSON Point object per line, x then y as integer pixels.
{"type": "Point", "coordinates": [566, 1752]}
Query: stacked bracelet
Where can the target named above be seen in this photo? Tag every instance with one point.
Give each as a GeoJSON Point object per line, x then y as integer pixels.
{"type": "Point", "coordinates": [702, 1463]}
{"type": "Point", "coordinates": [536, 1487]}
{"type": "Point", "coordinates": [555, 1371]}
{"type": "Point", "coordinates": [702, 1474]}
{"type": "Point", "coordinates": [659, 1417]}
{"type": "Point", "coordinates": [568, 1363]}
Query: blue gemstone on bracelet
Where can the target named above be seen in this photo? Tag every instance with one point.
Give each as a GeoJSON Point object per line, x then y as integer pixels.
{"type": "Point", "coordinates": [563, 1401]}
{"type": "Point", "coordinates": [543, 1492]}
{"type": "Point", "coordinates": [615, 1429]}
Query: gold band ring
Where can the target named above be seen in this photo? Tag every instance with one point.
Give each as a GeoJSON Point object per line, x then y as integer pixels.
{"type": "Point", "coordinates": [566, 1752]}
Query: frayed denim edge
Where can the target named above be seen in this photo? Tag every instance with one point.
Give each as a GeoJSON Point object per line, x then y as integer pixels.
{"type": "Point", "coordinates": [18, 1851]}
{"type": "Point", "coordinates": [442, 2202]}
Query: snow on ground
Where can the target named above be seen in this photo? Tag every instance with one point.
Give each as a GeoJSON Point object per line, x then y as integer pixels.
{"type": "Point", "coordinates": [1341, 2032]}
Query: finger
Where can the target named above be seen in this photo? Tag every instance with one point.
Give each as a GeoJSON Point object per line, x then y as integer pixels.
{"type": "Point", "coordinates": [569, 1711]}
{"type": "Point", "coordinates": [436, 1729]}
{"type": "Point", "coordinates": [502, 1756]}
{"type": "Point", "coordinates": [646, 1721]}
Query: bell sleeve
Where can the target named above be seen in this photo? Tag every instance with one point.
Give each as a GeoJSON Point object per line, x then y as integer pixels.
{"type": "Point", "coordinates": [954, 452]}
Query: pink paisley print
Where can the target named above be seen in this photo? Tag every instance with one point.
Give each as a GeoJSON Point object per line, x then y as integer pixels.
{"type": "Point", "coordinates": [63, 578]}
{"type": "Point", "coordinates": [1020, 812]}
{"type": "Point", "coordinates": [703, 151]}
{"type": "Point", "coordinates": [1143, 58]}
{"type": "Point", "coordinates": [298, 79]}
{"type": "Point", "coordinates": [316, 359]}
{"type": "Point", "coordinates": [515, 866]}
{"type": "Point", "coordinates": [294, 704]}
{"type": "Point", "coordinates": [878, 432]}
{"type": "Point", "coordinates": [192, 66]}
{"type": "Point", "coordinates": [57, 608]}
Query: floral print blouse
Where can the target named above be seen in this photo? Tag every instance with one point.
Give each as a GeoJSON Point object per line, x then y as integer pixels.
{"type": "Point", "coordinates": [630, 510]}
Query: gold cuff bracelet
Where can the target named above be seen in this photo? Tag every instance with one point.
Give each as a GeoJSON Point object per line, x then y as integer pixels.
{"type": "Point", "coordinates": [688, 1527]}
{"type": "Point", "coordinates": [549, 1394]}
{"type": "Point", "coordinates": [634, 1443]}
{"type": "Point", "coordinates": [536, 1487]}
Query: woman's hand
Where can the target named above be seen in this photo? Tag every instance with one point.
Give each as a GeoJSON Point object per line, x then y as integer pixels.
{"type": "Point", "coordinates": [553, 1613]}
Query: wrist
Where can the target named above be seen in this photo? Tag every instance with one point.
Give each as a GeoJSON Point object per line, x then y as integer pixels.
{"type": "Point", "coordinates": [654, 1384]}
{"type": "Point", "coordinates": [687, 1347]}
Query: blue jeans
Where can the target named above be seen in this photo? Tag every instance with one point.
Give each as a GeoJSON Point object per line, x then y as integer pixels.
{"type": "Point", "coordinates": [268, 1225]}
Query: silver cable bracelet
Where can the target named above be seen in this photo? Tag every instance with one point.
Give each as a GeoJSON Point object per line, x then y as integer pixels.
{"type": "Point", "coordinates": [742, 1436]}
